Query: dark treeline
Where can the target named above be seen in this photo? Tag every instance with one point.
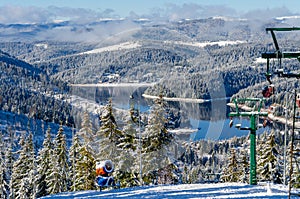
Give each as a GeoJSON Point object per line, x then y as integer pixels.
{"type": "Point", "coordinates": [26, 90]}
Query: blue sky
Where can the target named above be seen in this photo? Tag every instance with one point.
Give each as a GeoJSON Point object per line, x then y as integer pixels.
{"type": "Point", "coordinates": [124, 7]}
{"type": "Point", "coordinates": [41, 11]}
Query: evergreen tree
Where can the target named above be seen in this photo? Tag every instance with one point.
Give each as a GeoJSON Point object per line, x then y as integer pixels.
{"type": "Point", "coordinates": [109, 135]}
{"type": "Point", "coordinates": [157, 135]}
{"type": "Point", "coordinates": [85, 169]}
{"type": "Point", "coordinates": [244, 167]}
{"type": "Point", "coordinates": [74, 157]}
{"type": "Point", "coordinates": [269, 161]}
{"type": "Point", "coordinates": [44, 162]}
{"type": "Point", "coordinates": [83, 166]}
{"type": "Point", "coordinates": [53, 180]}
{"type": "Point", "coordinates": [58, 180]}
{"type": "Point", "coordinates": [130, 134]}
{"type": "Point", "coordinates": [3, 182]}
{"type": "Point", "coordinates": [128, 168]}
{"type": "Point", "coordinates": [86, 132]}
{"type": "Point", "coordinates": [185, 174]}
{"type": "Point", "coordinates": [23, 171]}
{"type": "Point", "coordinates": [231, 172]}
{"type": "Point", "coordinates": [156, 140]}
{"type": "Point", "coordinates": [295, 170]}
{"type": "Point", "coordinates": [262, 139]}
{"type": "Point", "coordinates": [32, 172]}
{"type": "Point", "coordinates": [9, 160]}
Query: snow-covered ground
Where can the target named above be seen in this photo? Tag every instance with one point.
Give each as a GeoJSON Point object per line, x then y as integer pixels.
{"type": "Point", "coordinates": [220, 190]}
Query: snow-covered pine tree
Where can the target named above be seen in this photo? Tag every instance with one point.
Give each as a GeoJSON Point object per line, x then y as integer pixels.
{"type": "Point", "coordinates": [74, 157]}
{"type": "Point", "coordinates": [185, 178]}
{"type": "Point", "coordinates": [16, 175]}
{"type": "Point", "coordinates": [157, 135]}
{"type": "Point", "coordinates": [261, 140]}
{"type": "Point", "coordinates": [194, 173]}
{"type": "Point", "coordinates": [188, 158]}
{"type": "Point", "coordinates": [297, 161]}
{"type": "Point", "coordinates": [244, 166]}
{"type": "Point", "coordinates": [83, 165]}
{"type": "Point", "coordinates": [108, 135]}
{"type": "Point", "coordinates": [128, 166]}
{"type": "Point", "coordinates": [3, 182]}
{"type": "Point", "coordinates": [295, 170]}
{"type": "Point", "coordinates": [43, 165]}
{"type": "Point", "coordinates": [169, 174]}
{"type": "Point", "coordinates": [86, 132]}
{"type": "Point", "coordinates": [130, 131]}
{"type": "Point", "coordinates": [156, 141]}
{"type": "Point", "coordinates": [231, 172]}
{"type": "Point", "coordinates": [58, 180]}
{"type": "Point", "coordinates": [9, 160]}
{"type": "Point", "coordinates": [32, 172]}
{"type": "Point", "coordinates": [269, 165]}
{"type": "Point", "coordinates": [53, 180]}
{"type": "Point", "coordinates": [85, 169]}
{"type": "Point", "coordinates": [22, 185]}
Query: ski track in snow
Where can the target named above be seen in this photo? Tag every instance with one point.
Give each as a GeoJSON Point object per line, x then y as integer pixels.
{"type": "Point", "coordinates": [219, 190]}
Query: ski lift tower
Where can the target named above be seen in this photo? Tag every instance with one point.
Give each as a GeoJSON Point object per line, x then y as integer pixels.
{"type": "Point", "coordinates": [278, 54]}
{"type": "Point", "coordinates": [254, 116]}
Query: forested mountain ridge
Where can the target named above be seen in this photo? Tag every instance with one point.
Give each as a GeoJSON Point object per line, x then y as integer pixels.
{"type": "Point", "coordinates": [202, 58]}
{"type": "Point", "coordinates": [188, 58]}
{"type": "Point", "coordinates": [182, 51]}
{"type": "Point", "coordinates": [27, 90]}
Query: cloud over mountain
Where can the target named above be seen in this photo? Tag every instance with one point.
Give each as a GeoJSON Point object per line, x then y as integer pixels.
{"type": "Point", "coordinates": [170, 12]}
{"type": "Point", "coordinates": [81, 24]}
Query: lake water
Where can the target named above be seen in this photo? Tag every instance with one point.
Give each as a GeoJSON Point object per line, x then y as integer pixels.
{"type": "Point", "coordinates": [208, 120]}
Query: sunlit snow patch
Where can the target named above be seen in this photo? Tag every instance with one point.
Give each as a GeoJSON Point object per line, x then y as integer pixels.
{"type": "Point", "coordinates": [121, 46]}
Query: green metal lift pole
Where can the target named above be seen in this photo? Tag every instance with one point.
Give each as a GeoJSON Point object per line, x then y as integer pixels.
{"type": "Point", "coordinates": [253, 115]}
{"type": "Point", "coordinates": [253, 180]}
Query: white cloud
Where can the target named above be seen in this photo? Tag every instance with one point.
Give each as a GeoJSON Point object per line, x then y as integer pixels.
{"type": "Point", "coordinates": [174, 12]}
{"type": "Point", "coordinates": [86, 24]}
{"type": "Point", "coordinates": [18, 14]}
{"type": "Point", "coordinates": [103, 33]}
{"type": "Point", "coordinates": [263, 14]}
{"type": "Point", "coordinates": [170, 12]}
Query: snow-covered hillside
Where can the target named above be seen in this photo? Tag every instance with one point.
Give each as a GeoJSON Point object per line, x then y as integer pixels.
{"type": "Point", "coordinates": [121, 46]}
{"type": "Point", "coordinates": [221, 190]}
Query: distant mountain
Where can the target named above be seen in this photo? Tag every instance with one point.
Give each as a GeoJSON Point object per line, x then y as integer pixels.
{"type": "Point", "coordinates": [189, 58]}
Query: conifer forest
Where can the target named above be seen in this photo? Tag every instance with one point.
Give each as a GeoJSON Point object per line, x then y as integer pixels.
{"type": "Point", "coordinates": [151, 97]}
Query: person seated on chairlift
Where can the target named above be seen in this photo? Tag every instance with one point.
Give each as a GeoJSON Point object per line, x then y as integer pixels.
{"type": "Point", "coordinates": [268, 91]}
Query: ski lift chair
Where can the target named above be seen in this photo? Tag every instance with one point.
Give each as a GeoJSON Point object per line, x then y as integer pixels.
{"type": "Point", "coordinates": [268, 91]}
